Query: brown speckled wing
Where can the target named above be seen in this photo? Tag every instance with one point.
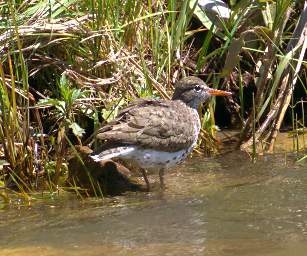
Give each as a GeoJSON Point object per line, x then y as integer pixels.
{"type": "Point", "coordinates": [160, 125]}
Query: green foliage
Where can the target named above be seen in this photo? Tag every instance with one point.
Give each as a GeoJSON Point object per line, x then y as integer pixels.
{"type": "Point", "coordinates": [66, 105]}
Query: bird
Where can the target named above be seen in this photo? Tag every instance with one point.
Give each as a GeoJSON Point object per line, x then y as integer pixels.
{"type": "Point", "coordinates": [157, 134]}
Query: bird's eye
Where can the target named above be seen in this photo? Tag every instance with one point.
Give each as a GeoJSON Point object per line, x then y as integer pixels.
{"type": "Point", "coordinates": [197, 88]}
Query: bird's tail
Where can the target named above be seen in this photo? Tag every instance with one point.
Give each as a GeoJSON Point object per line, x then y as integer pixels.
{"type": "Point", "coordinates": [112, 153]}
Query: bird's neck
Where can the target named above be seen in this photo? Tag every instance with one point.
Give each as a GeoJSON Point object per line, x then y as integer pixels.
{"type": "Point", "coordinates": [192, 103]}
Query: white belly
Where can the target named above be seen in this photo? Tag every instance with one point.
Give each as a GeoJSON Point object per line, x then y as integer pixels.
{"type": "Point", "coordinates": [152, 159]}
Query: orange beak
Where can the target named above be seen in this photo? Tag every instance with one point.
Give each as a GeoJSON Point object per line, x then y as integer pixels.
{"type": "Point", "coordinates": [216, 92]}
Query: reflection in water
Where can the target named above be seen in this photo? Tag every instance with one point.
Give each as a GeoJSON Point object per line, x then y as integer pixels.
{"type": "Point", "coordinates": [222, 206]}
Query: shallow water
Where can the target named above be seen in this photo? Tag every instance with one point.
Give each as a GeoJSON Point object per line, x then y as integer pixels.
{"type": "Point", "coordinates": [216, 206]}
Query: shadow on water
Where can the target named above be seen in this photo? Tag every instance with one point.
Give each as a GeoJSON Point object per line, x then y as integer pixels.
{"type": "Point", "coordinates": [216, 206]}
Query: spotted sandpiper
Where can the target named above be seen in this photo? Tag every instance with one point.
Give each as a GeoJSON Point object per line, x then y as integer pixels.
{"type": "Point", "coordinates": [157, 134]}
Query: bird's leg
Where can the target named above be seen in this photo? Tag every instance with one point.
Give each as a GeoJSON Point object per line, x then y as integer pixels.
{"type": "Point", "coordinates": [146, 179]}
{"type": "Point", "coordinates": [161, 176]}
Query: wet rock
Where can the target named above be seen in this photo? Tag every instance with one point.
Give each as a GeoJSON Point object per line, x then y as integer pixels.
{"type": "Point", "coordinates": [104, 177]}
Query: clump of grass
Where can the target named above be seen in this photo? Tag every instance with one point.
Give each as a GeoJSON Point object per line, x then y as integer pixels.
{"type": "Point", "coordinates": [65, 61]}
{"type": "Point", "coordinates": [274, 86]}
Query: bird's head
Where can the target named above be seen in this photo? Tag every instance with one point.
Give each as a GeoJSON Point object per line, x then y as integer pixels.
{"type": "Point", "coordinates": [194, 91]}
